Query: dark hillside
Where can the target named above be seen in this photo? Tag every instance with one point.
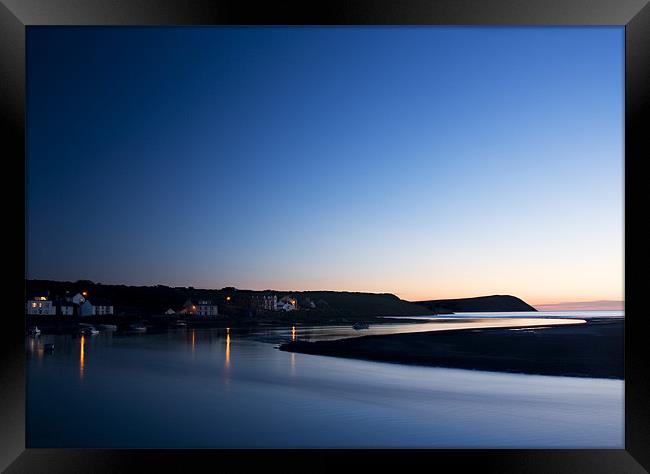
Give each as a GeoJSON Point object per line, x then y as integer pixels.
{"type": "Point", "coordinates": [494, 303]}
{"type": "Point", "coordinates": [154, 300]}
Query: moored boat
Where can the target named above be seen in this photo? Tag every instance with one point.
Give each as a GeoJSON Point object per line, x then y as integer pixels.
{"type": "Point", "coordinates": [137, 327]}
{"type": "Point", "coordinates": [34, 331]}
{"type": "Point", "coordinates": [89, 331]}
{"type": "Point", "coordinates": [108, 327]}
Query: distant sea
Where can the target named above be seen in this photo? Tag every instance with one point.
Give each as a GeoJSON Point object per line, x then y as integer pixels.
{"type": "Point", "coordinates": [605, 305]}
{"type": "Point", "coordinates": [572, 314]}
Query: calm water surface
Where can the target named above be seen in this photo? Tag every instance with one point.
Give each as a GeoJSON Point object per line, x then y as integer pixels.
{"type": "Point", "coordinates": [208, 388]}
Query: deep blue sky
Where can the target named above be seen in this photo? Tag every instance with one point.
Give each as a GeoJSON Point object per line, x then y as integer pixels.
{"type": "Point", "coordinates": [423, 161]}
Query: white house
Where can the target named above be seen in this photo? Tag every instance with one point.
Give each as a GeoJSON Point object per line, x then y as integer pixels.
{"type": "Point", "coordinates": [40, 305]}
{"type": "Point", "coordinates": [206, 308]}
{"type": "Point", "coordinates": [96, 307]}
{"type": "Point", "coordinates": [287, 303]}
{"type": "Point", "coordinates": [285, 307]}
{"type": "Point", "coordinates": [200, 308]}
{"type": "Point", "coordinates": [169, 312]}
{"type": "Point", "coordinates": [78, 298]}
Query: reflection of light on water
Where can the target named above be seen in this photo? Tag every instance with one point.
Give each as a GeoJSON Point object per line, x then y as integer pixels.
{"type": "Point", "coordinates": [437, 324]}
{"type": "Point", "coordinates": [228, 349]}
{"type": "Point", "coordinates": [529, 328]}
{"type": "Point", "coordinates": [81, 356]}
{"type": "Point", "coordinates": [193, 339]}
{"type": "Point", "coordinates": [293, 354]}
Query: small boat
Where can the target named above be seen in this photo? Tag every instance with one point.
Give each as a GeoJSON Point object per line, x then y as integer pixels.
{"type": "Point", "coordinates": [358, 326]}
{"type": "Point", "coordinates": [34, 331]}
{"type": "Point", "coordinates": [89, 331]}
{"type": "Point", "coordinates": [108, 327]}
{"type": "Point", "coordinates": [138, 327]}
{"type": "Point", "coordinates": [48, 347]}
{"type": "Point", "coordinates": [179, 323]}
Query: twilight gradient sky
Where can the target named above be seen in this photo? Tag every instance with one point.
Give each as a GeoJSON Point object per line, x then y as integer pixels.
{"type": "Point", "coordinates": [429, 162]}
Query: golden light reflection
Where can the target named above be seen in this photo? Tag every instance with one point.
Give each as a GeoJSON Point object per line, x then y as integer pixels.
{"type": "Point", "coordinates": [81, 356]}
{"type": "Point", "coordinates": [227, 363]}
{"type": "Point", "coordinates": [193, 339]}
{"type": "Point", "coordinates": [293, 333]}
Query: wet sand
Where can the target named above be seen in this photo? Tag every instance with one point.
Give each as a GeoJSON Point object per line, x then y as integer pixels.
{"type": "Point", "coordinates": [594, 349]}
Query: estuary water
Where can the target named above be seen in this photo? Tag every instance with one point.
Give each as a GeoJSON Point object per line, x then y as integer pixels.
{"type": "Point", "coordinates": [232, 388]}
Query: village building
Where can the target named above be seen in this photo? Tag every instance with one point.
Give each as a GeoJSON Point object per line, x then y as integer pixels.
{"type": "Point", "coordinates": [265, 302]}
{"type": "Point", "coordinates": [40, 305]}
{"type": "Point", "coordinates": [66, 308]}
{"type": "Point", "coordinates": [96, 307]}
{"type": "Point", "coordinates": [287, 303]}
{"type": "Point", "coordinates": [79, 298]}
{"type": "Point", "coordinates": [200, 307]}
{"type": "Point", "coordinates": [169, 312]}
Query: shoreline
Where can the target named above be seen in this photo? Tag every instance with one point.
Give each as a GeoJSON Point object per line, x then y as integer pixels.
{"type": "Point", "coordinates": [67, 324]}
{"type": "Point", "coordinates": [593, 349]}
{"type": "Point", "coordinates": [64, 325]}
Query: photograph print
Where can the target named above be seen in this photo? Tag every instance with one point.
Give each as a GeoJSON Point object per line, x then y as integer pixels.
{"type": "Point", "coordinates": [324, 237]}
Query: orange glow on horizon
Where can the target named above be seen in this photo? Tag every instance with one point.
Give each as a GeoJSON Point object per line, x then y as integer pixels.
{"type": "Point", "coordinates": [544, 286]}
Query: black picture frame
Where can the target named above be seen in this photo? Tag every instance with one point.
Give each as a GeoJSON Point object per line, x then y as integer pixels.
{"type": "Point", "coordinates": [17, 15]}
